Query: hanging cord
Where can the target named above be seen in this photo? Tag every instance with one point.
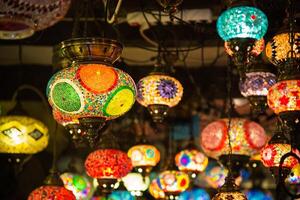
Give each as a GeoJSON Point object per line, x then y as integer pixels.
{"type": "Point", "coordinates": [229, 112]}
{"type": "Point", "coordinates": [291, 19]}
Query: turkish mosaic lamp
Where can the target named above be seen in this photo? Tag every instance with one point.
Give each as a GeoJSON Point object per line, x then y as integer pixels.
{"type": "Point", "coordinates": [20, 19]}
{"type": "Point", "coordinates": [159, 92]}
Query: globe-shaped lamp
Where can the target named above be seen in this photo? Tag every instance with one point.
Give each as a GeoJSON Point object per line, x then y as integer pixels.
{"type": "Point", "coordinates": [173, 183]}
{"type": "Point", "coordinates": [107, 165]}
{"type": "Point", "coordinates": [80, 185]}
{"type": "Point", "coordinates": [144, 157]}
{"type": "Point", "coordinates": [21, 19]}
{"type": "Point", "coordinates": [191, 161]}
{"type": "Point", "coordinates": [256, 194]}
{"type": "Point", "coordinates": [136, 184]}
{"type": "Point", "coordinates": [51, 192]}
{"type": "Point", "coordinates": [229, 191]}
{"type": "Point", "coordinates": [155, 190]}
{"type": "Point", "coordinates": [121, 195]}
{"type": "Point", "coordinates": [159, 92]}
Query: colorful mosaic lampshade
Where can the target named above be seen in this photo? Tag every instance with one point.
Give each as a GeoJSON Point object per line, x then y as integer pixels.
{"type": "Point", "coordinates": [256, 194]}
{"type": "Point", "coordinates": [51, 192]}
{"type": "Point", "coordinates": [90, 91]}
{"type": "Point", "coordinates": [144, 157]}
{"type": "Point", "coordinates": [20, 19]}
{"type": "Point", "coordinates": [258, 47]}
{"type": "Point", "coordinates": [136, 184]}
{"type": "Point", "coordinates": [230, 195]}
{"type": "Point", "coordinates": [155, 190]}
{"type": "Point", "coordinates": [191, 160]}
{"type": "Point", "coordinates": [247, 138]}
{"type": "Point", "coordinates": [284, 96]}
{"type": "Point", "coordinates": [242, 22]}
{"type": "Point", "coordinates": [173, 182]}
{"type": "Point", "coordinates": [80, 185]}
{"type": "Point", "coordinates": [278, 48]}
{"type": "Point", "coordinates": [108, 163]}
{"type": "Point", "coordinates": [257, 83]}
{"type": "Point", "coordinates": [22, 135]}
{"type": "Point", "coordinates": [215, 175]}
{"type": "Point", "coordinates": [194, 194]}
{"type": "Point", "coordinates": [159, 92]}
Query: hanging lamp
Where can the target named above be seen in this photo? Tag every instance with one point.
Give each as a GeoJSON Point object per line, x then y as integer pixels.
{"type": "Point", "coordinates": [136, 184]}
{"type": "Point", "coordinates": [159, 91]}
{"type": "Point", "coordinates": [241, 26]}
{"type": "Point", "coordinates": [155, 190]}
{"type": "Point", "coordinates": [21, 19]}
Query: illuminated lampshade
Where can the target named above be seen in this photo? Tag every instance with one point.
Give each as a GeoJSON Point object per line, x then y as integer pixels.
{"type": "Point", "coordinates": [22, 135]}
{"type": "Point", "coordinates": [258, 47]}
{"type": "Point", "coordinates": [257, 83]}
{"type": "Point", "coordinates": [277, 50]}
{"type": "Point", "coordinates": [51, 192]}
{"type": "Point", "coordinates": [242, 22]}
{"type": "Point", "coordinates": [194, 194]}
{"type": "Point", "coordinates": [294, 176]}
{"type": "Point", "coordinates": [173, 183]}
{"type": "Point", "coordinates": [136, 184]}
{"type": "Point", "coordinates": [256, 194]}
{"type": "Point", "coordinates": [120, 195]}
{"type": "Point", "coordinates": [20, 19]}
{"type": "Point", "coordinates": [144, 157]}
{"type": "Point", "coordinates": [229, 191]}
{"type": "Point", "coordinates": [159, 92]}
{"type": "Point", "coordinates": [247, 138]}
{"type": "Point", "coordinates": [108, 163]}
{"type": "Point", "coordinates": [155, 190]}
{"type": "Point", "coordinates": [78, 184]}
{"type": "Point", "coordinates": [284, 96]}
{"type": "Point", "coordinates": [90, 91]}
{"type": "Point", "coordinates": [191, 160]}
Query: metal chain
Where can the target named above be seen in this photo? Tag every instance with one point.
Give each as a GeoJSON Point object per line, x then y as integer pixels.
{"type": "Point", "coordinates": [291, 18]}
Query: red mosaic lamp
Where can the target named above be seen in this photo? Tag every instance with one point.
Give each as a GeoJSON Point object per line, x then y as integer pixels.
{"type": "Point", "coordinates": [246, 138]}
{"type": "Point", "coordinates": [107, 166]}
{"type": "Point", "coordinates": [89, 91]}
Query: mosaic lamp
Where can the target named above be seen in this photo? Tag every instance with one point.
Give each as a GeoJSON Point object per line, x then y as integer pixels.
{"type": "Point", "coordinates": [240, 27]}
{"type": "Point", "coordinates": [194, 194]}
{"type": "Point", "coordinates": [80, 185]}
{"type": "Point", "coordinates": [107, 166]}
{"type": "Point", "coordinates": [155, 191]}
{"type": "Point", "coordinates": [22, 135]}
{"type": "Point", "coordinates": [159, 92]}
{"type": "Point", "coordinates": [120, 195]}
{"type": "Point", "coordinates": [284, 100]}
{"type": "Point", "coordinates": [229, 191]}
{"type": "Point", "coordinates": [90, 91]}
{"type": "Point", "coordinates": [246, 138]}
{"type": "Point", "coordinates": [191, 161]}
{"type": "Point", "coordinates": [53, 188]}
{"type": "Point", "coordinates": [254, 86]}
{"type": "Point", "coordinates": [271, 154]}
{"type": "Point", "coordinates": [173, 182]}
{"type": "Point", "coordinates": [21, 19]}
{"type": "Point", "coordinates": [136, 184]}
{"type": "Point", "coordinates": [144, 157]}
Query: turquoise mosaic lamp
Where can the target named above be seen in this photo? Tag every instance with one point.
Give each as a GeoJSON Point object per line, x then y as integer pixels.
{"type": "Point", "coordinates": [241, 26]}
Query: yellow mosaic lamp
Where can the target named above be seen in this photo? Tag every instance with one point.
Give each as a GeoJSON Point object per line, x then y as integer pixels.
{"type": "Point", "coordinates": [22, 135]}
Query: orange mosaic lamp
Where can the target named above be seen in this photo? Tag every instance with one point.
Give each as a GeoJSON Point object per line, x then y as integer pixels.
{"type": "Point", "coordinates": [155, 190]}
{"type": "Point", "coordinates": [51, 192]}
{"type": "Point", "coordinates": [144, 157]}
{"type": "Point", "coordinates": [159, 92]}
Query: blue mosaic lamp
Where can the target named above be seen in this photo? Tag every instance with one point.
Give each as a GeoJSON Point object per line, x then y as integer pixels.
{"type": "Point", "coordinates": [256, 194]}
{"type": "Point", "coordinates": [242, 22]}
{"type": "Point", "coordinates": [194, 194]}
{"type": "Point", "coordinates": [240, 27]}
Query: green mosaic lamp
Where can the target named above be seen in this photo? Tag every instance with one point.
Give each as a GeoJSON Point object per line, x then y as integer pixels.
{"type": "Point", "coordinates": [91, 91]}
{"type": "Point", "coordinates": [240, 27]}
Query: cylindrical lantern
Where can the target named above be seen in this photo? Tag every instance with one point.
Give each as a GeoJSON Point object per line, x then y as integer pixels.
{"type": "Point", "coordinates": [20, 19]}
{"type": "Point", "coordinates": [22, 135]}
{"type": "Point", "coordinates": [159, 92]}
